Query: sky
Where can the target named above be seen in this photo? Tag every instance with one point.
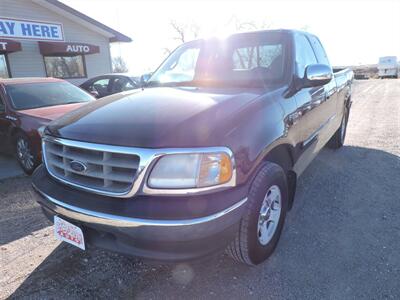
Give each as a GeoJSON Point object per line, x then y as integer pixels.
{"type": "Point", "coordinates": [353, 32]}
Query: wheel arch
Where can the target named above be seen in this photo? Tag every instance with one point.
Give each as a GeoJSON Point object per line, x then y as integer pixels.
{"type": "Point", "coordinates": [283, 155]}
{"type": "Point", "coordinates": [13, 131]}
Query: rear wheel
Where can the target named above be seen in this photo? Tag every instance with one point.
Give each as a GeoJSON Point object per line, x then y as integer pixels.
{"type": "Point", "coordinates": [262, 222]}
{"type": "Point", "coordinates": [25, 154]}
{"type": "Point", "coordinates": [337, 140]}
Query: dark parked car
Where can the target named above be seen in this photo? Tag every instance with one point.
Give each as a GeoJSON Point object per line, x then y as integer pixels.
{"type": "Point", "coordinates": [206, 157]}
{"type": "Point", "coordinates": [109, 84]}
{"type": "Point", "coordinates": [26, 104]}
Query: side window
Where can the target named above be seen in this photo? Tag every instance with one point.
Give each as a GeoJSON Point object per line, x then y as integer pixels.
{"type": "Point", "coordinates": [121, 84]}
{"type": "Point", "coordinates": [304, 54]}
{"type": "Point", "coordinates": [101, 86]}
{"type": "Point", "coordinates": [129, 86]}
{"type": "Point", "coordinates": [319, 51]}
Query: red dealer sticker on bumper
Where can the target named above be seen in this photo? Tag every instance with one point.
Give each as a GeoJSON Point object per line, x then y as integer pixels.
{"type": "Point", "coordinates": [67, 232]}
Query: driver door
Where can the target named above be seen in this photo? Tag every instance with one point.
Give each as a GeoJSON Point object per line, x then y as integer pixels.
{"type": "Point", "coordinates": [313, 110]}
{"type": "Point", "coordinates": [311, 101]}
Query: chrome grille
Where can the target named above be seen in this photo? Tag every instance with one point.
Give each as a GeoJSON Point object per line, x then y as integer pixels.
{"type": "Point", "coordinates": [108, 172]}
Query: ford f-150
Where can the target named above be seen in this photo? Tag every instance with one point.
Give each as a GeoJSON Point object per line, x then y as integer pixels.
{"type": "Point", "coordinates": [204, 157]}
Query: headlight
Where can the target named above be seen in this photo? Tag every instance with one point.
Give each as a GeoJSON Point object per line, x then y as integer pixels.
{"type": "Point", "coordinates": [180, 171]}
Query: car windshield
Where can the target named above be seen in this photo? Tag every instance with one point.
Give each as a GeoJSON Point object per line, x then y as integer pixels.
{"type": "Point", "coordinates": [42, 94]}
{"type": "Point", "coordinates": [244, 59]}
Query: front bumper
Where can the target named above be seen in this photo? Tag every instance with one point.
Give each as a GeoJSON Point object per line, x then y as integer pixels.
{"type": "Point", "coordinates": [172, 239]}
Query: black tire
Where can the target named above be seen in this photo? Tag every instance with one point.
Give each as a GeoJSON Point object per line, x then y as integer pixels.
{"type": "Point", "coordinates": [247, 247]}
{"type": "Point", "coordinates": [28, 160]}
{"type": "Point", "coordinates": [337, 140]}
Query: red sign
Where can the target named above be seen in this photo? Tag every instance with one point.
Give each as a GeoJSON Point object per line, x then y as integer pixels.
{"type": "Point", "coordinates": [8, 46]}
{"type": "Point", "coordinates": [56, 48]}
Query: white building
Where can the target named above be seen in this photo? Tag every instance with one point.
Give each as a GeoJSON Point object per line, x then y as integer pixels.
{"type": "Point", "coordinates": [40, 38]}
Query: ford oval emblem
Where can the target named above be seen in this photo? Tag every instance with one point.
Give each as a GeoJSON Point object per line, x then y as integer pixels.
{"type": "Point", "coordinates": [78, 166]}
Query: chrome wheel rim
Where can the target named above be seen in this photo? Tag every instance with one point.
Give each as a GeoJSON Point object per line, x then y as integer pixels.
{"type": "Point", "coordinates": [269, 215]}
{"type": "Point", "coordinates": [24, 154]}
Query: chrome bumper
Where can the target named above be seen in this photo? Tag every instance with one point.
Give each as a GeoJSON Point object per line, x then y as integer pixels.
{"type": "Point", "coordinates": [93, 217]}
{"type": "Point", "coordinates": [173, 239]}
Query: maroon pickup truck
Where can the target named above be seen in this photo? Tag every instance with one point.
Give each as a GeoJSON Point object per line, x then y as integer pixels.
{"type": "Point", "coordinates": [205, 157]}
{"type": "Point", "coordinates": [26, 104]}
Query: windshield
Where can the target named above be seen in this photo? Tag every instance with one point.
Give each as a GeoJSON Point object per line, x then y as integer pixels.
{"type": "Point", "coordinates": [243, 59]}
{"type": "Point", "coordinates": [42, 94]}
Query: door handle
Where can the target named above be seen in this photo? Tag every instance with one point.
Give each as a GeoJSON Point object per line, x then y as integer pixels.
{"type": "Point", "coordinates": [11, 118]}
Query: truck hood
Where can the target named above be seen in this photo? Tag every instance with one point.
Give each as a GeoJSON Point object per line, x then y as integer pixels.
{"type": "Point", "coordinates": [156, 117]}
{"type": "Point", "coordinates": [49, 113]}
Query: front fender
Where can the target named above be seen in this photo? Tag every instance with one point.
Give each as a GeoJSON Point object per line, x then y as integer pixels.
{"type": "Point", "coordinates": [258, 130]}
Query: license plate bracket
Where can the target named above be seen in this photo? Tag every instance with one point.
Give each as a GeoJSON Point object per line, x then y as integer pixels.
{"type": "Point", "coordinates": [68, 232]}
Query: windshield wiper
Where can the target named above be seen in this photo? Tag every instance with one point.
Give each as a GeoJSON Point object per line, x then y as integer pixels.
{"type": "Point", "coordinates": [210, 83]}
{"type": "Point", "coordinates": [194, 83]}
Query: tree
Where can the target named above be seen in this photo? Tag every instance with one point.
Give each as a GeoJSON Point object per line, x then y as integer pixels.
{"type": "Point", "coordinates": [249, 25]}
{"type": "Point", "coordinates": [183, 32]}
{"type": "Point", "coordinates": [119, 65]}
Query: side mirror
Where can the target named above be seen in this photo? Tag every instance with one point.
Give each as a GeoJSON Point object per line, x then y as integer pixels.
{"type": "Point", "coordinates": [144, 78]}
{"type": "Point", "coordinates": [317, 75]}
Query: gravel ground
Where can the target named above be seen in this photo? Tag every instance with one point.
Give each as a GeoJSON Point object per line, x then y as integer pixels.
{"type": "Point", "coordinates": [341, 239]}
{"type": "Point", "coordinates": [9, 167]}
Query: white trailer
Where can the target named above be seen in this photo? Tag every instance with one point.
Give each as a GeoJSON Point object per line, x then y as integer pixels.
{"type": "Point", "coordinates": [388, 67]}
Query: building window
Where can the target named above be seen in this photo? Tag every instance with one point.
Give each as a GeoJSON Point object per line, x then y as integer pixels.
{"type": "Point", "coordinates": [4, 73]}
{"type": "Point", "coordinates": [65, 66]}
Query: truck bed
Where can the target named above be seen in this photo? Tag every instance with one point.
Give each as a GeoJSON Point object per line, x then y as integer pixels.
{"type": "Point", "coordinates": [343, 75]}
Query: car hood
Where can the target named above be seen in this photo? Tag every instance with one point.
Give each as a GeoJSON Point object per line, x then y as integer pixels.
{"type": "Point", "coordinates": [49, 113]}
{"type": "Point", "coordinates": [156, 117]}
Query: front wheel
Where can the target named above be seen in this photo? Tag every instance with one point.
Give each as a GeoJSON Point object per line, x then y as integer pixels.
{"type": "Point", "coordinates": [25, 154]}
{"type": "Point", "coordinates": [262, 222]}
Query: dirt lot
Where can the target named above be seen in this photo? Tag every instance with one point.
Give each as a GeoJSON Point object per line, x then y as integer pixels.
{"type": "Point", "coordinates": [341, 240]}
{"type": "Point", "coordinates": [9, 167]}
